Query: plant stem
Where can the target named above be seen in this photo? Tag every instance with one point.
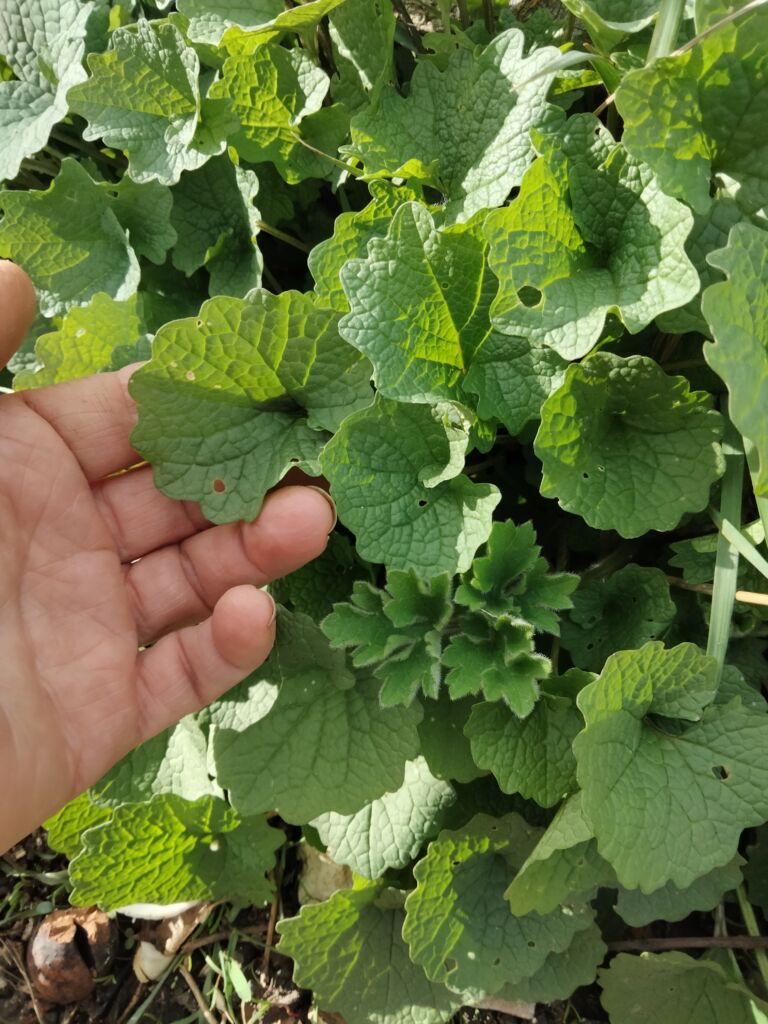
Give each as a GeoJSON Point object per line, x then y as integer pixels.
{"type": "Point", "coordinates": [758, 942]}
{"type": "Point", "coordinates": [327, 156]}
{"type": "Point", "coordinates": [283, 236]}
{"type": "Point", "coordinates": [666, 29]}
{"type": "Point", "coordinates": [750, 922]}
{"type": "Point", "coordinates": [198, 995]}
{"type": "Point", "coordinates": [741, 543]}
{"type": "Point", "coordinates": [463, 14]}
{"type": "Point", "coordinates": [488, 15]}
{"type": "Point", "coordinates": [727, 557]}
{"type": "Point", "coordinates": [746, 596]}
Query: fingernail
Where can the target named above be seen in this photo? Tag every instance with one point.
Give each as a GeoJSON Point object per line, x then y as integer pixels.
{"type": "Point", "coordinates": [330, 501]}
{"type": "Point", "coordinates": [273, 616]}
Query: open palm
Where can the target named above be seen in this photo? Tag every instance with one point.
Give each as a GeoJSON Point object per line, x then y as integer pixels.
{"type": "Point", "coordinates": [94, 564]}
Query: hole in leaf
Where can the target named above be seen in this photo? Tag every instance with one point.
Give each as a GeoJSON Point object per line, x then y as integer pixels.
{"type": "Point", "coordinates": [294, 461]}
{"type": "Point", "coordinates": [531, 944]}
{"type": "Point", "coordinates": [199, 323]}
{"type": "Point", "coordinates": [450, 965]}
{"type": "Point", "coordinates": [721, 772]}
{"type": "Point", "coordinates": [190, 375]}
{"type": "Point", "coordinates": [497, 961]}
{"type": "Point", "coordinates": [585, 476]}
{"type": "Point", "coordinates": [422, 503]}
{"type": "Point", "coordinates": [529, 296]}
{"type": "Point", "coordinates": [219, 486]}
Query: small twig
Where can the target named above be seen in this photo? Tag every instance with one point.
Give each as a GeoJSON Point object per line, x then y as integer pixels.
{"type": "Point", "coordinates": [745, 596]}
{"type": "Point", "coordinates": [222, 936]}
{"type": "Point", "coordinates": [356, 172]}
{"type": "Point", "coordinates": [690, 942]}
{"type": "Point", "coordinates": [198, 995]}
{"type": "Point", "coordinates": [18, 963]}
{"type": "Point", "coordinates": [410, 28]}
{"type": "Point", "coordinates": [274, 910]}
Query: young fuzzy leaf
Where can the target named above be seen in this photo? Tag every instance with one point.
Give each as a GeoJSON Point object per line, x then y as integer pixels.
{"type": "Point", "coordinates": [629, 608]}
{"type": "Point", "coordinates": [672, 904]}
{"type": "Point", "coordinates": [464, 129]}
{"type": "Point", "coordinates": [168, 849]}
{"type": "Point", "coordinates": [512, 579]}
{"type": "Point", "coordinates": [261, 382]}
{"type": "Point", "coordinates": [374, 980]}
{"type": "Point", "coordinates": [85, 342]}
{"type": "Point", "coordinates": [398, 631]}
{"type": "Point", "coordinates": [458, 925]}
{"type": "Point", "coordinates": [647, 781]}
{"type": "Point", "coordinates": [532, 757]}
{"type": "Point", "coordinates": [217, 224]}
{"type": "Point", "coordinates": [673, 112]}
{"type": "Point", "coordinates": [627, 447]}
{"type": "Point", "coordinates": [389, 832]}
{"type": "Point", "coordinates": [671, 987]}
{"type": "Point", "coordinates": [395, 474]}
{"type": "Point", "coordinates": [589, 234]}
{"type": "Point", "coordinates": [737, 312]}
{"type": "Point", "coordinates": [68, 240]}
{"type": "Point", "coordinates": [325, 744]}
{"type": "Point", "coordinates": [423, 356]}
{"type": "Point", "coordinates": [143, 97]}
{"type": "Point", "coordinates": [495, 656]}
{"type": "Point", "coordinates": [564, 865]}
{"type": "Point", "coordinates": [43, 43]}
{"type": "Point", "coordinates": [351, 234]}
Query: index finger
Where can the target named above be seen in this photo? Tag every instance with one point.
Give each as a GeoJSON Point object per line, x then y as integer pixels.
{"type": "Point", "coordinates": [94, 416]}
{"type": "Point", "coordinates": [17, 308]}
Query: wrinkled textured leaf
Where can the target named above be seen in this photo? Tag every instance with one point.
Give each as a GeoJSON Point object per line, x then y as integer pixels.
{"type": "Point", "coordinates": [671, 987]}
{"type": "Point", "coordinates": [395, 474]}
{"type": "Point", "coordinates": [275, 96]}
{"type": "Point", "coordinates": [465, 129]}
{"type": "Point", "coordinates": [390, 831]}
{"type": "Point", "coordinates": [737, 312]}
{"type": "Point", "coordinates": [143, 96]}
{"type": "Point", "coordinates": [69, 241]}
{"type": "Point", "coordinates": [217, 224]}
{"type": "Point", "coordinates": [653, 790]}
{"type": "Point", "coordinates": [672, 904]}
{"type": "Point", "coordinates": [351, 234]}
{"type": "Point", "coordinates": [698, 118]}
{"type": "Point", "coordinates": [512, 378]}
{"type": "Point", "coordinates": [443, 742]}
{"type": "Point", "coordinates": [562, 973]}
{"type": "Point", "coordinates": [168, 850]}
{"type": "Point", "coordinates": [43, 42]}
{"type": "Point", "coordinates": [85, 342]}
{"type": "Point", "coordinates": [590, 233]}
{"type": "Point", "coordinates": [66, 828]}
{"type": "Point", "coordinates": [457, 924]}
{"type": "Point", "coordinates": [372, 980]}
{"type": "Point", "coordinates": [325, 745]}
{"type": "Point", "coordinates": [422, 356]}
{"type": "Point", "coordinates": [532, 757]}
{"type": "Point", "coordinates": [259, 382]}
{"type": "Point", "coordinates": [564, 865]}
{"type": "Point", "coordinates": [624, 611]}
{"type": "Point", "coordinates": [362, 33]}
{"type": "Point", "coordinates": [627, 447]}
{"type": "Point", "coordinates": [210, 19]}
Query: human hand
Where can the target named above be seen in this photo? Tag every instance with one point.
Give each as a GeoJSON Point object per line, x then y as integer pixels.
{"type": "Point", "coordinates": [76, 692]}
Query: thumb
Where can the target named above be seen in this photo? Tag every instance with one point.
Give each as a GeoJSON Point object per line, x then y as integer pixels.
{"type": "Point", "coordinates": [17, 308]}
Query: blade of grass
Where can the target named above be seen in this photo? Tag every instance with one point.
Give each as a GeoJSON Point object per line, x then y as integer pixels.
{"type": "Point", "coordinates": [727, 557]}
{"type": "Point", "coordinates": [752, 927]}
{"type": "Point", "coordinates": [762, 503]}
{"type": "Point", "coordinates": [744, 546]}
{"type": "Point", "coordinates": [666, 29]}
